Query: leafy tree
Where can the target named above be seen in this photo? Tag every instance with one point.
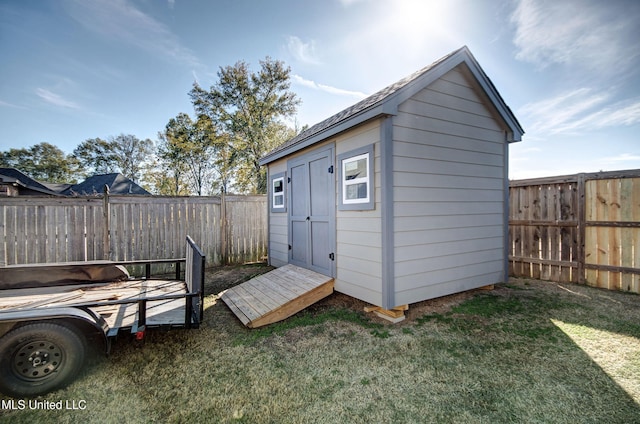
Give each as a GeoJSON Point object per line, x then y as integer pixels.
{"type": "Point", "coordinates": [187, 150]}
{"type": "Point", "coordinates": [170, 180]}
{"type": "Point", "coordinates": [161, 181]}
{"type": "Point", "coordinates": [43, 161]}
{"type": "Point", "coordinates": [250, 108]}
{"type": "Point", "coordinates": [126, 154]}
{"type": "Point", "coordinates": [224, 165]}
{"type": "Point", "coordinates": [133, 155]}
{"type": "Point", "coordinates": [96, 157]}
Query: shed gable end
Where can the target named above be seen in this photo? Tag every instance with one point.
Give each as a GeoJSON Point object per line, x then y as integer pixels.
{"type": "Point", "coordinates": [449, 160]}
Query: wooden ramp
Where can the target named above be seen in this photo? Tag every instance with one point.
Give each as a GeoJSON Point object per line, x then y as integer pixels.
{"type": "Point", "coordinates": [276, 295]}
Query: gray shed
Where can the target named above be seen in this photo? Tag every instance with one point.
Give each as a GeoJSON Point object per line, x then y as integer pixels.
{"type": "Point", "coordinates": [402, 197]}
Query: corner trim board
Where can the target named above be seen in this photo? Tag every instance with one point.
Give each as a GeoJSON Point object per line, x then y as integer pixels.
{"type": "Point", "coordinates": [505, 211]}
{"type": "Point", "coordinates": [386, 211]}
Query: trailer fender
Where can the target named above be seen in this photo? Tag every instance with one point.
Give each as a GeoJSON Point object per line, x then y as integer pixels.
{"type": "Point", "coordinates": [9, 319]}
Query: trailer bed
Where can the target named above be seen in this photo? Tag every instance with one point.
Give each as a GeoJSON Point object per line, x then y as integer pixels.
{"type": "Point", "coordinates": [159, 312]}
{"type": "Point", "coordinates": [49, 313]}
{"type": "Point", "coordinates": [117, 315]}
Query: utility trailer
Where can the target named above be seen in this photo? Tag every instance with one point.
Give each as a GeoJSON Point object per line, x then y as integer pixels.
{"type": "Point", "coordinates": [46, 328]}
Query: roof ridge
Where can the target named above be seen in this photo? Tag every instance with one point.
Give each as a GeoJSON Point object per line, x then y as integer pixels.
{"type": "Point", "coordinates": [361, 106]}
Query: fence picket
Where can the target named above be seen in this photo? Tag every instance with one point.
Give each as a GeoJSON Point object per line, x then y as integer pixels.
{"type": "Point", "coordinates": [45, 229]}
{"type": "Point", "coordinates": [579, 228]}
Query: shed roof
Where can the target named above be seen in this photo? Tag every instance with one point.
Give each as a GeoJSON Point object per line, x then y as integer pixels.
{"type": "Point", "coordinates": [386, 101]}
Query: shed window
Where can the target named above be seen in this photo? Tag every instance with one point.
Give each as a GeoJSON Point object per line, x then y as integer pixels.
{"type": "Point", "coordinates": [277, 193]}
{"type": "Point", "coordinates": [355, 174]}
{"type": "Point", "coordinates": [355, 179]}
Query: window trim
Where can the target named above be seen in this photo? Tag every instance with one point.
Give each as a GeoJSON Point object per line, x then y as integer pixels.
{"type": "Point", "coordinates": [356, 181]}
{"type": "Point", "coordinates": [272, 193]}
{"type": "Point", "coordinates": [367, 203]}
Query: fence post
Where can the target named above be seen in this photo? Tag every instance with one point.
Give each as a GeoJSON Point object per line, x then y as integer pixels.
{"type": "Point", "coordinates": [106, 233]}
{"type": "Point", "coordinates": [223, 230]}
{"type": "Point", "coordinates": [582, 198]}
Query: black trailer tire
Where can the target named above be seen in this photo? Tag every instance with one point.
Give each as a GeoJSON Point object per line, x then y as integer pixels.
{"type": "Point", "coordinates": [38, 358]}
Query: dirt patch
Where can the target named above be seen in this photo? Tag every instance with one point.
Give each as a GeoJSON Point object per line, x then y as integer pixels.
{"type": "Point", "coordinates": [440, 305]}
{"type": "Point", "coordinates": [223, 278]}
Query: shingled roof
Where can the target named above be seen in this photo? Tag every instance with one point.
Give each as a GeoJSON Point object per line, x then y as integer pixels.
{"type": "Point", "coordinates": [117, 183]}
{"type": "Point", "coordinates": [14, 176]}
{"type": "Point", "coordinates": [386, 101]}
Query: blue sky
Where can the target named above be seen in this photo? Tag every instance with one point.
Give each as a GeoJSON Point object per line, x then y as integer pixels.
{"type": "Point", "coordinates": [78, 69]}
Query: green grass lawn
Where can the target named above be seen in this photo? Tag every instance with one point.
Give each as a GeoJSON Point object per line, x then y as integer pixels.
{"type": "Point", "coordinates": [529, 351]}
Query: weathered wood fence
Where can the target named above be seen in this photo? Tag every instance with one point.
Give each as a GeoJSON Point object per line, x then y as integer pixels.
{"type": "Point", "coordinates": [582, 228]}
{"type": "Point", "coordinates": [229, 229]}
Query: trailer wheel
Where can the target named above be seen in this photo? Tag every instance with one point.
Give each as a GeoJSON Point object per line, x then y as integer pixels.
{"type": "Point", "coordinates": [38, 358]}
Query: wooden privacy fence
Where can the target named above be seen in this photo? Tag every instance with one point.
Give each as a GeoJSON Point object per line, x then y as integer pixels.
{"type": "Point", "coordinates": [229, 229]}
{"type": "Point", "coordinates": [582, 228]}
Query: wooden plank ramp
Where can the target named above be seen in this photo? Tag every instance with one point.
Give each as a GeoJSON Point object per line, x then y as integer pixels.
{"type": "Point", "coordinates": [276, 295]}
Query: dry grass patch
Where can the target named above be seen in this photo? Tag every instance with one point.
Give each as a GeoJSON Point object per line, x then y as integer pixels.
{"type": "Point", "coordinates": [521, 353]}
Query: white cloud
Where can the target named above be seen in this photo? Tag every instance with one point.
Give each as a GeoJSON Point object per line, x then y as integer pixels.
{"type": "Point", "coordinates": [592, 34]}
{"type": "Point", "coordinates": [348, 3]}
{"type": "Point", "coordinates": [623, 113]}
{"type": "Point", "coordinates": [579, 111]}
{"type": "Point", "coordinates": [120, 20]}
{"type": "Point", "coordinates": [554, 114]}
{"type": "Point", "coordinates": [11, 105]}
{"type": "Point", "coordinates": [297, 79]}
{"type": "Point", "coordinates": [56, 99]}
{"type": "Point", "coordinates": [304, 52]}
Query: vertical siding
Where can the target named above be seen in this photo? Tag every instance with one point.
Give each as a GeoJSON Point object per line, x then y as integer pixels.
{"type": "Point", "coordinates": [278, 223]}
{"type": "Point", "coordinates": [359, 240]}
{"type": "Point", "coordinates": [448, 159]}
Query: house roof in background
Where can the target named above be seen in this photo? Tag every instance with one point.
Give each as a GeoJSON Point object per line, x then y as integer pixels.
{"type": "Point", "coordinates": [387, 100]}
{"type": "Point", "coordinates": [14, 176]}
{"type": "Point", "coordinates": [56, 187]}
{"type": "Point", "coordinates": [117, 183]}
